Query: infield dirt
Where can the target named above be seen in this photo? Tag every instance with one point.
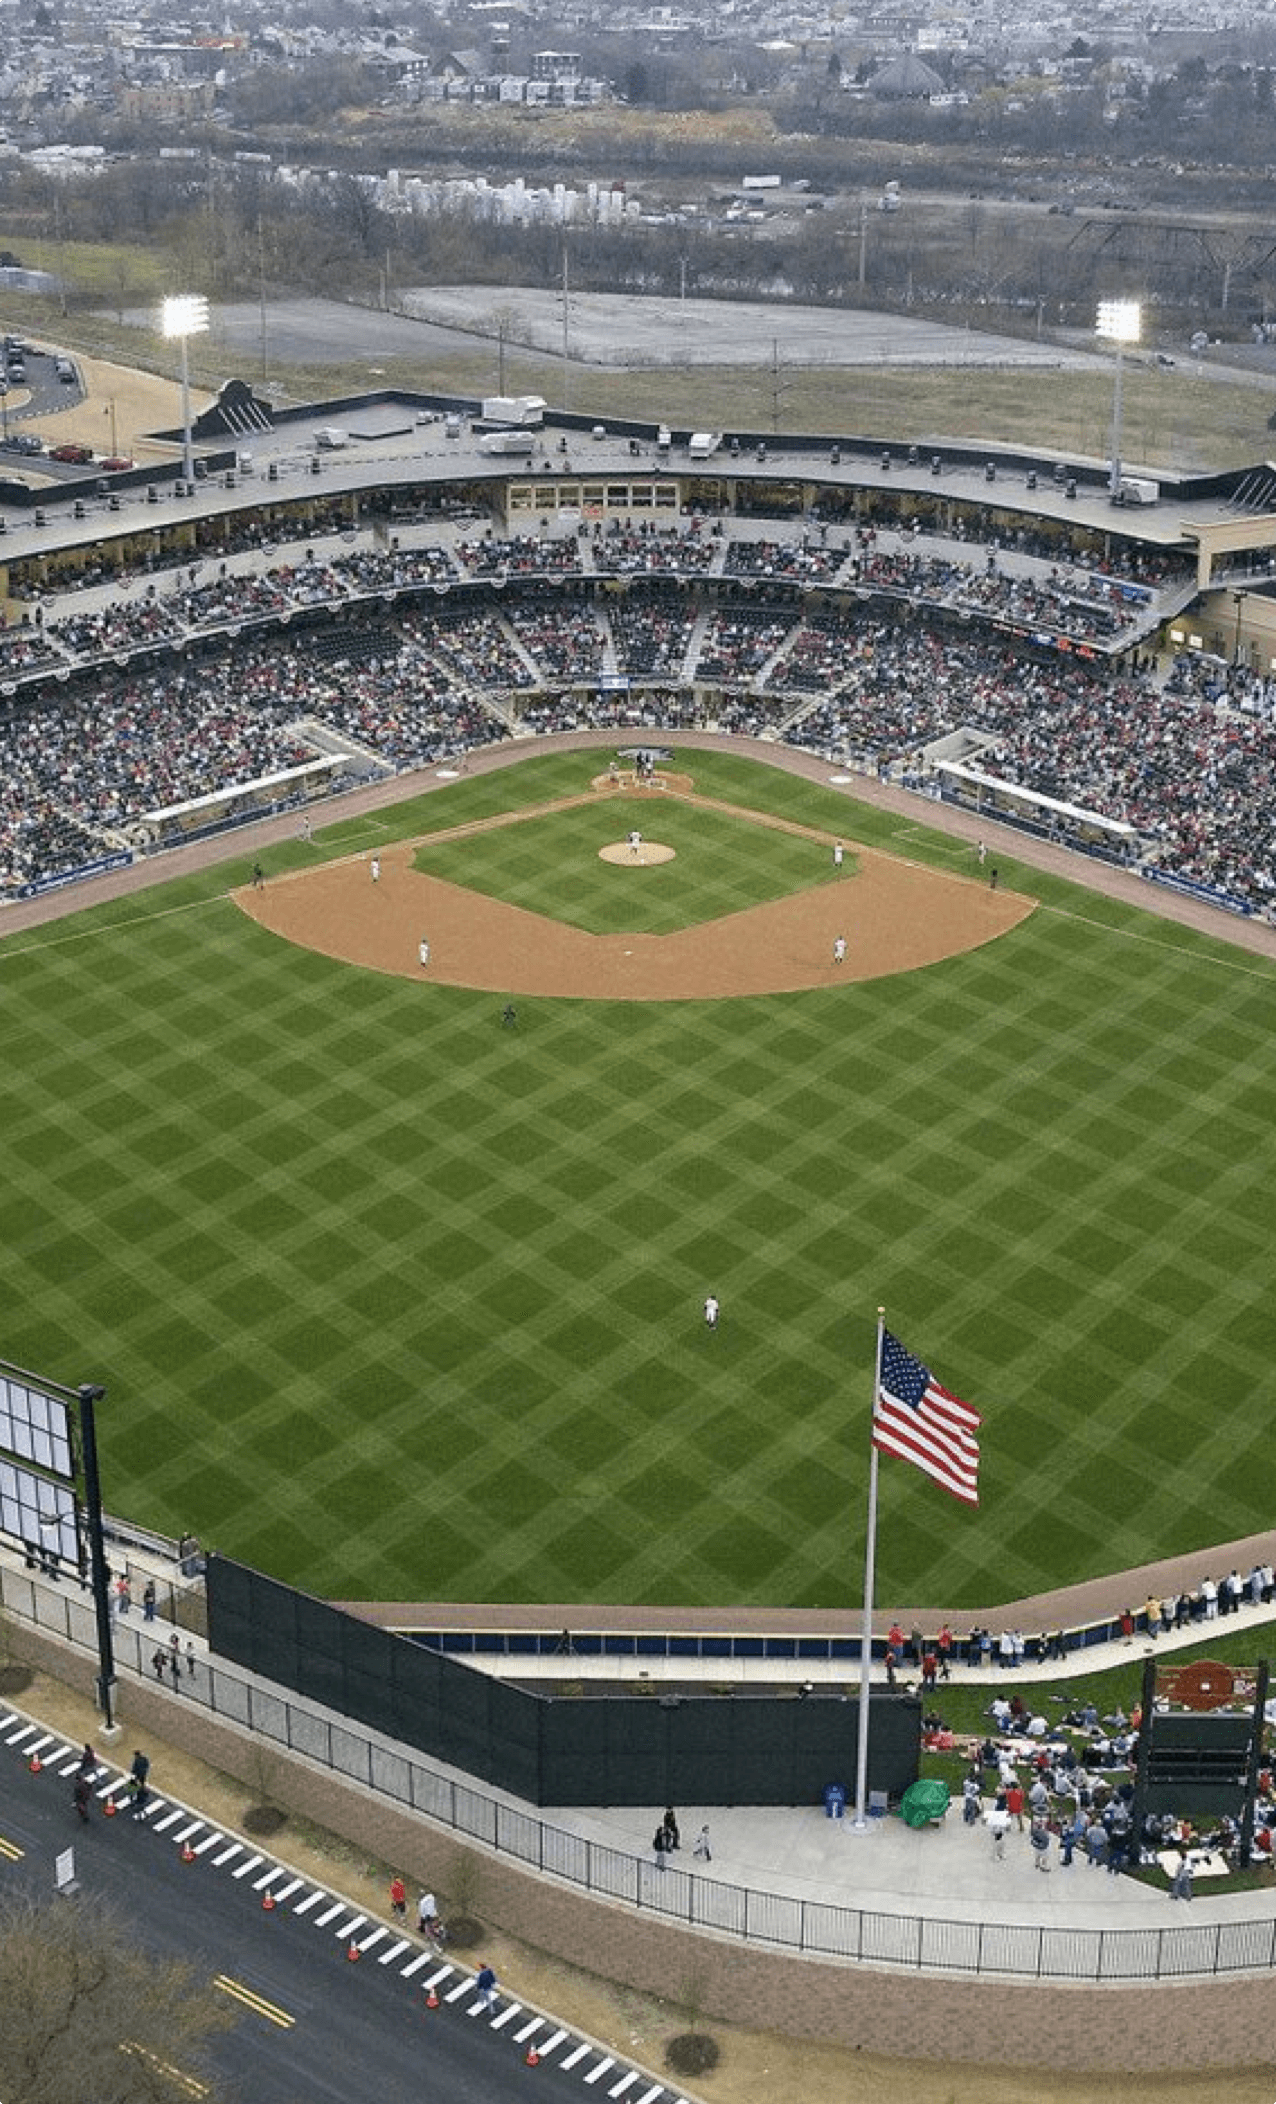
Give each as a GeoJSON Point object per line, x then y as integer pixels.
{"type": "Point", "coordinates": [894, 916]}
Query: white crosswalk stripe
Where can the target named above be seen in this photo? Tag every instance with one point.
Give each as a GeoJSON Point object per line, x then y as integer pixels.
{"type": "Point", "coordinates": [316, 1899]}
{"type": "Point", "coordinates": [626, 2082]}
{"type": "Point", "coordinates": [596, 2074]}
{"type": "Point", "coordinates": [338, 1907]}
{"type": "Point", "coordinates": [572, 2058]}
{"type": "Point", "coordinates": [507, 2016]}
{"type": "Point", "coordinates": [423, 1958]}
{"type": "Point", "coordinates": [466, 1987]}
{"type": "Point", "coordinates": [388, 1957]}
{"type": "Point", "coordinates": [246, 1868]}
{"type": "Point", "coordinates": [552, 2043]}
{"type": "Point", "coordinates": [228, 1855]}
{"type": "Point", "coordinates": [537, 2024]}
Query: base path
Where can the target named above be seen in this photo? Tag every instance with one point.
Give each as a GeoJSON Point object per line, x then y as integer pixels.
{"type": "Point", "coordinates": [894, 916]}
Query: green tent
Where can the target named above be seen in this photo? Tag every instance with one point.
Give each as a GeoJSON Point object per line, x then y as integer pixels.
{"type": "Point", "coordinates": [924, 1803]}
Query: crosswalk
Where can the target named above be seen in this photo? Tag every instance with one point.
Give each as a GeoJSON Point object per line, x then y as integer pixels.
{"type": "Point", "coordinates": [449, 1983]}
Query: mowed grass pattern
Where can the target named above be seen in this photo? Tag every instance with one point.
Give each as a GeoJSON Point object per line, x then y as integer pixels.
{"type": "Point", "coordinates": [399, 1304]}
{"type": "Point", "coordinates": [722, 864]}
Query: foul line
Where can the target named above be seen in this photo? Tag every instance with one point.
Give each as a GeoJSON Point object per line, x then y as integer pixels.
{"type": "Point", "coordinates": [134, 920]}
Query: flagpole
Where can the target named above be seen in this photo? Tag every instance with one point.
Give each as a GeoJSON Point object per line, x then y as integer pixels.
{"type": "Point", "coordinates": [860, 1821]}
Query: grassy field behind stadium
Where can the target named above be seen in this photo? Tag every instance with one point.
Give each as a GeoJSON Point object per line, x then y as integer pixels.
{"type": "Point", "coordinates": [399, 1304]}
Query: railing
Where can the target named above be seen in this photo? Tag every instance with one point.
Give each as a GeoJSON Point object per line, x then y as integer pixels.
{"type": "Point", "coordinates": [782, 1922]}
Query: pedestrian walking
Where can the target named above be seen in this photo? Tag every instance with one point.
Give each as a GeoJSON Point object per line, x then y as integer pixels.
{"type": "Point", "coordinates": [982, 853]}
{"type": "Point", "coordinates": [702, 1848]}
{"type": "Point", "coordinates": [398, 1896]}
{"type": "Point", "coordinates": [375, 866]}
{"type": "Point", "coordinates": [175, 1666]}
{"type": "Point", "coordinates": [673, 1839]}
{"type": "Point", "coordinates": [80, 1797]}
{"type": "Point", "coordinates": [88, 1762]}
{"type": "Point", "coordinates": [658, 1846]}
{"type": "Point", "coordinates": [259, 877]}
{"type": "Point", "coordinates": [997, 1822]}
{"type": "Point", "coordinates": [839, 949]}
{"type": "Point", "coordinates": [1181, 1887]}
{"type": "Point", "coordinates": [424, 953]}
{"type": "Point", "coordinates": [711, 1311]}
{"type": "Point", "coordinates": [992, 879]}
{"type": "Point", "coordinates": [837, 854]}
{"type": "Point", "coordinates": [190, 1659]}
{"type": "Point", "coordinates": [1040, 1839]}
{"type": "Point", "coordinates": [159, 1659]}
{"type": "Point", "coordinates": [485, 1986]}
{"type": "Point", "coordinates": [139, 1779]}
{"type": "Point", "coordinates": [149, 1600]}
{"type": "Point", "coordinates": [427, 1917]}
{"type": "Point", "coordinates": [123, 1595]}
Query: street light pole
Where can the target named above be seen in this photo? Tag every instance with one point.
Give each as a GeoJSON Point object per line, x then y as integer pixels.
{"type": "Point", "coordinates": [89, 1396]}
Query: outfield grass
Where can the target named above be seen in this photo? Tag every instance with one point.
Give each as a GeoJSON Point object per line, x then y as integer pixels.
{"type": "Point", "coordinates": [399, 1304]}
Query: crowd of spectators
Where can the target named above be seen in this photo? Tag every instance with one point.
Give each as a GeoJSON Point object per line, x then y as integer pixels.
{"type": "Point", "coordinates": [1188, 760]}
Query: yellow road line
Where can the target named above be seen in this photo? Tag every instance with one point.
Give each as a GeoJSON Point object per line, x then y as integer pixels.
{"type": "Point", "coordinates": [256, 2002]}
{"type": "Point", "coordinates": [176, 2075]}
{"type": "Point", "coordinates": [11, 1850]}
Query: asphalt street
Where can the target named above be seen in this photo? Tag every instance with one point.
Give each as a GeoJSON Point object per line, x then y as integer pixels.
{"type": "Point", "coordinates": [316, 2024]}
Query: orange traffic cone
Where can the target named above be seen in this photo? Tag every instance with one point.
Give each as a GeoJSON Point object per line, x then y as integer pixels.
{"type": "Point", "coordinates": [353, 1952]}
{"type": "Point", "coordinates": [35, 1764]}
{"type": "Point", "coordinates": [533, 2058]}
{"type": "Point", "coordinates": [188, 1853]}
{"type": "Point", "coordinates": [432, 2000]}
{"type": "Point", "coordinates": [109, 1808]}
{"type": "Point", "coordinates": [268, 1901]}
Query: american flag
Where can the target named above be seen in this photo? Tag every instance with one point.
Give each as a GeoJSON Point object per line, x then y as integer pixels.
{"type": "Point", "coordinates": [921, 1422]}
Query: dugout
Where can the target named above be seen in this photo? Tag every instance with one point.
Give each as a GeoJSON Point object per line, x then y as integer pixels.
{"type": "Point", "coordinates": [606, 1749]}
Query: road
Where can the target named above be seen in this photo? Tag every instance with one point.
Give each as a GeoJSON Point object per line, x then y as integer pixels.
{"type": "Point", "coordinates": [317, 2024]}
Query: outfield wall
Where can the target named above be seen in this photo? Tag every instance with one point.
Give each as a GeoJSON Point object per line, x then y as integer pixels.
{"type": "Point", "coordinates": [604, 1749]}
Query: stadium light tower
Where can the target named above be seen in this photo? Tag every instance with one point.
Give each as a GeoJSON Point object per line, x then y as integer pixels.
{"type": "Point", "coordinates": [1118, 322]}
{"type": "Point", "coordinates": [181, 317]}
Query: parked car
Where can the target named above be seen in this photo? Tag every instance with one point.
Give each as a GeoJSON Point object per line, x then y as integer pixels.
{"type": "Point", "coordinates": [115, 463]}
{"type": "Point", "coordinates": [22, 442]}
{"type": "Point", "coordinates": [76, 455]}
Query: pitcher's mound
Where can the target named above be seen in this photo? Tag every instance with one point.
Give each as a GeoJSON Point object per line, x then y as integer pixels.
{"type": "Point", "coordinates": [645, 856]}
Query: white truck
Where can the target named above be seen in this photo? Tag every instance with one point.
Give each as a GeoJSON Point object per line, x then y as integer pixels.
{"type": "Point", "coordinates": [702, 445]}
{"type": "Point", "coordinates": [330, 439]}
{"type": "Point", "coordinates": [525, 412]}
{"type": "Point", "coordinates": [1138, 489]}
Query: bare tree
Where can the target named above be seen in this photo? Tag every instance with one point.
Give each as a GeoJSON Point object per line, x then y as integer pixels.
{"type": "Point", "coordinates": [87, 2016]}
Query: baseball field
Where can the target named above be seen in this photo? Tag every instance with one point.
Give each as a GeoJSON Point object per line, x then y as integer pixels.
{"type": "Point", "coordinates": [400, 1299]}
